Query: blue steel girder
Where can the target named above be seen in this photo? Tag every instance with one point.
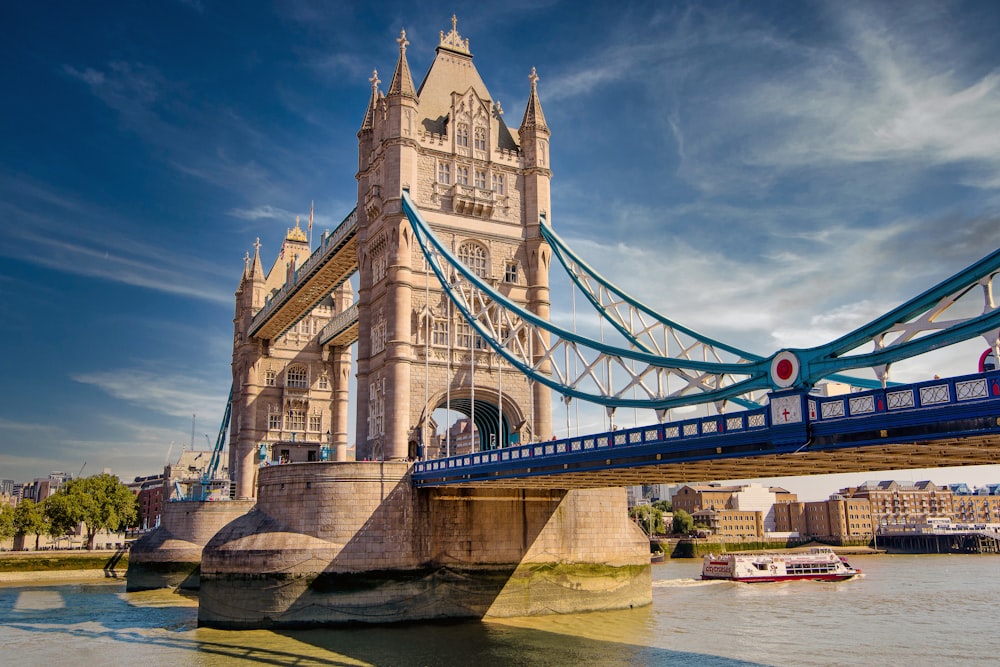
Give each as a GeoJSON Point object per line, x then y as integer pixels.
{"type": "Point", "coordinates": [572, 364]}
{"type": "Point", "coordinates": [914, 328]}
{"type": "Point", "coordinates": [645, 328]}
{"type": "Point", "coordinates": [554, 356]}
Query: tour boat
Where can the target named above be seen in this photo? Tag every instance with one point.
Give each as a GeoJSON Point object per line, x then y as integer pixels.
{"type": "Point", "coordinates": [819, 563]}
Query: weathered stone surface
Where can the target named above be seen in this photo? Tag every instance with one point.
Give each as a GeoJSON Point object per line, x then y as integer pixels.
{"type": "Point", "coordinates": [169, 557]}
{"type": "Point", "coordinates": [334, 543]}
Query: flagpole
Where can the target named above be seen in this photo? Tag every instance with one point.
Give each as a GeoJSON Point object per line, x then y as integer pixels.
{"type": "Point", "coordinates": [311, 203]}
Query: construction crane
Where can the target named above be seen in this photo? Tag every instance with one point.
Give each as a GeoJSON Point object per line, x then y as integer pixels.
{"type": "Point", "coordinates": [212, 471]}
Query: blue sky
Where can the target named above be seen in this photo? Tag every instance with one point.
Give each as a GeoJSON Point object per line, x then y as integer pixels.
{"type": "Point", "coordinates": [770, 173]}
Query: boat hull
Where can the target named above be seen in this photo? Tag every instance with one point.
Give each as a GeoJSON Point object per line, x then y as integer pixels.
{"type": "Point", "coordinates": [819, 564]}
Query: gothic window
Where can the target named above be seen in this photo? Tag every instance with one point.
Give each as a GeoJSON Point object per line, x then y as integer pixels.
{"type": "Point", "coordinates": [510, 272]}
{"type": "Point", "coordinates": [474, 256]}
{"type": "Point", "coordinates": [274, 421]}
{"type": "Point", "coordinates": [379, 266]}
{"type": "Point", "coordinates": [439, 333]}
{"type": "Point", "coordinates": [376, 408]}
{"type": "Point", "coordinates": [462, 135]}
{"type": "Point", "coordinates": [378, 335]}
{"type": "Point", "coordinates": [324, 382]}
{"type": "Point", "coordinates": [480, 179]}
{"type": "Point", "coordinates": [480, 139]}
{"type": "Point", "coordinates": [296, 377]}
{"type": "Point", "coordinates": [296, 419]}
{"type": "Point", "coordinates": [498, 184]}
{"type": "Point", "coordinates": [463, 335]}
{"type": "Point", "coordinates": [462, 175]}
{"type": "Point", "coordinates": [444, 173]}
{"type": "Point", "coordinates": [315, 422]}
{"type": "Point", "coordinates": [270, 377]}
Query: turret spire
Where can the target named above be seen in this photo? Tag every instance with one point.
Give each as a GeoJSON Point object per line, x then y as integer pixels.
{"type": "Point", "coordinates": [369, 122]}
{"type": "Point", "coordinates": [533, 116]}
{"type": "Point", "coordinates": [402, 82]}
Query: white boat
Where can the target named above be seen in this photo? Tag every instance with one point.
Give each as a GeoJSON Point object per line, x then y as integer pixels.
{"type": "Point", "coordinates": [819, 563]}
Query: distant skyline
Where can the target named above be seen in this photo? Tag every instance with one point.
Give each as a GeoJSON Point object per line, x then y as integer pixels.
{"type": "Point", "coordinates": [772, 174]}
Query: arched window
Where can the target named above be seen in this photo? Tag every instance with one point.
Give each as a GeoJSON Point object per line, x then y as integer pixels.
{"type": "Point", "coordinates": [480, 139]}
{"type": "Point", "coordinates": [296, 377]}
{"type": "Point", "coordinates": [462, 135]}
{"type": "Point", "coordinates": [269, 377]}
{"type": "Point", "coordinates": [474, 256]}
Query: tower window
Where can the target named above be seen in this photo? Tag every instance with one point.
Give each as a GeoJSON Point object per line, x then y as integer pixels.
{"type": "Point", "coordinates": [474, 256]}
{"type": "Point", "coordinates": [510, 272]}
{"type": "Point", "coordinates": [439, 334]}
{"type": "Point", "coordinates": [444, 173]}
{"type": "Point", "coordinates": [462, 175]}
{"type": "Point", "coordinates": [324, 382]}
{"type": "Point", "coordinates": [480, 139]}
{"type": "Point", "coordinates": [498, 184]}
{"type": "Point", "coordinates": [480, 179]}
{"type": "Point", "coordinates": [462, 135]}
{"type": "Point", "coordinates": [270, 377]}
{"type": "Point", "coordinates": [296, 377]}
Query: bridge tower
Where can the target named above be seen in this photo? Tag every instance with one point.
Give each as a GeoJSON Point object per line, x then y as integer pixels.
{"type": "Point", "coordinates": [483, 189]}
{"type": "Point", "coordinates": [288, 402]}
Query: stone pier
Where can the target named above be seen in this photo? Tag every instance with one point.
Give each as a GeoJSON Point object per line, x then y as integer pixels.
{"type": "Point", "coordinates": [354, 542]}
{"type": "Point", "coordinates": [170, 556]}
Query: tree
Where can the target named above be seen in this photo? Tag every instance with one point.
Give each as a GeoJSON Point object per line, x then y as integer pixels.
{"type": "Point", "coordinates": [641, 515]}
{"type": "Point", "coordinates": [6, 520]}
{"type": "Point", "coordinates": [100, 502]}
{"type": "Point", "coordinates": [29, 517]}
{"type": "Point", "coordinates": [683, 522]}
{"type": "Point", "coordinates": [664, 505]}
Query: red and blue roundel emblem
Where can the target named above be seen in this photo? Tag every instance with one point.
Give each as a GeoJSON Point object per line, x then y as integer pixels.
{"type": "Point", "coordinates": [784, 369]}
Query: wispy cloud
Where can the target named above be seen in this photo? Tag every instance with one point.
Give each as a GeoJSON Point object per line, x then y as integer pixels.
{"type": "Point", "coordinates": [174, 395]}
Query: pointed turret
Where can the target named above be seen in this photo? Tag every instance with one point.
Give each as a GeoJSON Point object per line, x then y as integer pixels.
{"type": "Point", "coordinates": [533, 119]}
{"type": "Point", "coordinates": [402, 82]}
{"type": "Point", "coordinates": [369, 121]}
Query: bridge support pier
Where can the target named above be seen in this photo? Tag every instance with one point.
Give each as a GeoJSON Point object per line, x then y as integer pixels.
{"type": "Point", "coordinates": [169, 557]}
{"type": "Point", "coordinates": [332, 543]}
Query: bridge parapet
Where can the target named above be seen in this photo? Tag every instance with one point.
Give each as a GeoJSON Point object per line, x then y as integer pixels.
{"type": "Point", "coordinates": [337, 330]}
{"type": "Point", "coordinates": [797, 433]}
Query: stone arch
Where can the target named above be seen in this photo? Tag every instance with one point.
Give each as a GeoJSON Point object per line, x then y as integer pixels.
{"type": "Point", "coordinates": [490, 418]}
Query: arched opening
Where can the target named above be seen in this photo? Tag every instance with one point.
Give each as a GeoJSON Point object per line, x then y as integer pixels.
{"type": "Point", "coordinates": [459, 429]}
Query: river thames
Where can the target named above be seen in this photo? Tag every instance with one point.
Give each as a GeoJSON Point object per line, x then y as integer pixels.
{"type": "Point", "coordinates": [905, 610]}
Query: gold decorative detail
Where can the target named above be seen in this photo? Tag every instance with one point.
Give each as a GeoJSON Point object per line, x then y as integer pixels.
{"type": "Point", "coordinates": [296, 234]}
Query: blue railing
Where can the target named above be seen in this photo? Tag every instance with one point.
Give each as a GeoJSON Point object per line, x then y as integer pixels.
{"type": "Point", "coordinates": [937, 400]}
{"type": "Point", "coordinates": [683, 433]}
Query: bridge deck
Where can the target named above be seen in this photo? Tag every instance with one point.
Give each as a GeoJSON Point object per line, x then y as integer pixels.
{"type": "Point", "coordinates": [950, 422]}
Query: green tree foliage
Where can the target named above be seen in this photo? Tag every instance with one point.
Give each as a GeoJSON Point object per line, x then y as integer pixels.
{"type": "Point", "coordinates": [664, 505]}
{"type": "Point", "coordinates": [29, 517]}
{"type": "Point", "coordinates": [683, 522]}
{"type": "Point", "coordinates": [641, 515]}
{"type": "Point", "coordinates": [100, 502]}
{"type": "Point", "coordinates": [6, 521]}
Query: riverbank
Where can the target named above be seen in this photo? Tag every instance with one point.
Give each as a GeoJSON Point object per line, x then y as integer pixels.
{"type": "Point", "coordinates": [56, 566]}
{"type": "Point", "coordinates": [698, 547]}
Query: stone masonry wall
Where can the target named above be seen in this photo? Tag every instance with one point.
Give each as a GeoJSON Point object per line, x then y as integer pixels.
{"type": "Point", "coordinates": [334, 542]}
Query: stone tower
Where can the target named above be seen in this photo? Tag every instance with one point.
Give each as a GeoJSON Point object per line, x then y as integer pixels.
{"type": "Point", "coordinates": [482, 188]}
{"type": "Point", "coordinates": [289, 394]}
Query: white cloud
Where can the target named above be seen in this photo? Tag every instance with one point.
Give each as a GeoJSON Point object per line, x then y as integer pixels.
{"type": "Point", "coordinates": [174, 395]}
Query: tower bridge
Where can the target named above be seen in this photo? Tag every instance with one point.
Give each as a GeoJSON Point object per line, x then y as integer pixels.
{"type": "Point", "coordinates": [450, 247]}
